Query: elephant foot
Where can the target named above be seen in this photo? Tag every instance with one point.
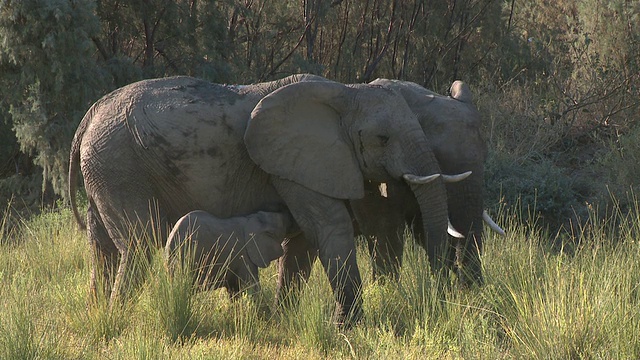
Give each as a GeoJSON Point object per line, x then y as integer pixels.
{"type": "Point", "coordinates": [468, 267]}
{"type": "Point", "coordinates": [385, 266]}
{"type": "Point", "coordinates": [383, 275]}
{"type": "Point", "coordinates": [469, 274]}
{"type": "Point", "coordinates": [468, 278]}
{"type": "Point", "coordinates": [346, 317]}
{"type": "Point", "coordinates": [99, 288]}
{"type": "Point", "coordinates": [386, 258]}
{"type": "Point", "coordinates": [348, 311]}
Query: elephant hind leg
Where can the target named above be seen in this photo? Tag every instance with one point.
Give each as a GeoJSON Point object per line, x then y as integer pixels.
{"type": "Point", "coordinates": [131, 235]}
{"type": "Point", "coordinates": [133, 267]}
{"type": "Point", "coordinates": [105, 255]}
{"type": "Point", "coordinates": [135, 243]}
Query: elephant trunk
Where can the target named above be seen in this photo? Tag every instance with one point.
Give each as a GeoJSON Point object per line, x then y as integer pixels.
{"type": "Point", "coordinates": [433, 207]}
{"type": "Point", "coordinates": [432, 200]}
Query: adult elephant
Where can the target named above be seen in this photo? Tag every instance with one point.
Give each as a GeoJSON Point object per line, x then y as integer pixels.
{"type": "Point", "coordinates": [178, 144]}
{"type": "Point", "coordinates": [452, 126]}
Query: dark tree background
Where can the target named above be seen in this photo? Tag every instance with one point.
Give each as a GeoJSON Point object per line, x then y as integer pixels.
{"type": "Point", "coordinates": [557, 81]}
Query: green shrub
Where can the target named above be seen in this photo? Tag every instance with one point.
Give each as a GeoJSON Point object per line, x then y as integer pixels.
{"type": "Point", "coordinates": [623, 161]}
{"type": "Point", "coordinates": [539, 187]}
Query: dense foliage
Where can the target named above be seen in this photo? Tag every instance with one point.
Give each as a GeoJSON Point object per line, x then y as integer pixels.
{"type": "Point", "coordinates": [557, 81]}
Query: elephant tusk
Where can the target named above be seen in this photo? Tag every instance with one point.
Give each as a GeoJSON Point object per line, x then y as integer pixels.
{"type": "Point", "coordinates": [453, 232]}
{"type": "Point", "coordinates": [383, 189]}
{"type": "Point", "coordinates": [414, 179]}
{"type": "Point", "coordinates": [456, 178]}
{"type": "Point", "coordinates": [492, 224]}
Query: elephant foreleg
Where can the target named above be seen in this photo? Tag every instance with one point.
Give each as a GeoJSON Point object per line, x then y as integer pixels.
{"type": "Point", "coordinates": [469, 266]}
{"type": "Point", "coordinates": [382, 224]}
{"type": "Point", "coordinates": [386, 254]}
{"type": "Point", "coordinates": [294, 267]}
{"type": "Point", "coordinates": [327, 225]}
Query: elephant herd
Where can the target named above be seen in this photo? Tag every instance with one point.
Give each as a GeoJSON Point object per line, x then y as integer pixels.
{"type": "Point", "coordinates": [291, 170]}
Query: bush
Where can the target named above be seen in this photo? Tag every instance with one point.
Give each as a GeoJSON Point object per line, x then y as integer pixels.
{"type": "Point", "coordinates": [539, 187]}
{"type": "Point", "coordinates": [623, 161]}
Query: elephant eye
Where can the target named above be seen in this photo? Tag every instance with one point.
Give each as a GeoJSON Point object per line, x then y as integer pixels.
{"type": "Point", "coordinates": [383, 139]}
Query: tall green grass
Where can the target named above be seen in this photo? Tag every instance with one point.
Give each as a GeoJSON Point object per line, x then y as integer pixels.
{"type": "Point", "coordinates": [572, 295]}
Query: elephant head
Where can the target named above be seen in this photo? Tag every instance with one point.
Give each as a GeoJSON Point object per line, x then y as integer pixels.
{"type": "Point", "coordinates": [327, 139]}
{"type": "Point", "coordinates": [227, 252]}
{"type": "Point", "coordinates": [453, 126]}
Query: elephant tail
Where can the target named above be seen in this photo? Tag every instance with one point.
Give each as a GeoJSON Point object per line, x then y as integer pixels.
{"type": "Point", "coordinates": [74, 165]}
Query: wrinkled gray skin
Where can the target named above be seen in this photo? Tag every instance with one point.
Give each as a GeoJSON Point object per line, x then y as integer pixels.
{"type": "Point", "coordinates": [227, 252]}
{"type": "Point", "coordinates": [452, 125]}
{"type": "Point", "coordinates": [177, 144]}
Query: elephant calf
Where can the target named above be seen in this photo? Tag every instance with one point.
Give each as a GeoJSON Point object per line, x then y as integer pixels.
{"type": "Point", "coordinates": [226, 252]}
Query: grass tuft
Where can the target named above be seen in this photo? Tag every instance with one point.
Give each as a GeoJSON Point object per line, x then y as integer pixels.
{"type": "Point", "coordinates": [171, 299]}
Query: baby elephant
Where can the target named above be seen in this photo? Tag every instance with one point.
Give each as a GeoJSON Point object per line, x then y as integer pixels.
{"type": "Point", "coordinates": [227, 252]}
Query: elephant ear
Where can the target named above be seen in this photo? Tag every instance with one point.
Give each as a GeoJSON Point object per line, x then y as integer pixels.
{"type": "Point", "coordinates": [460, 91]}
{"type": "Point", "coordinates": [261, 253]}
{"type": "Point", "coordinates": [297, 133]}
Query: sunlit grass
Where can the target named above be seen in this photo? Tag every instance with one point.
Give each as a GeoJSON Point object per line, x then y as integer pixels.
{"type": "Point", "coordinates": [577, 300]}
{"type": "Point", "coordinates": [23, 335]}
